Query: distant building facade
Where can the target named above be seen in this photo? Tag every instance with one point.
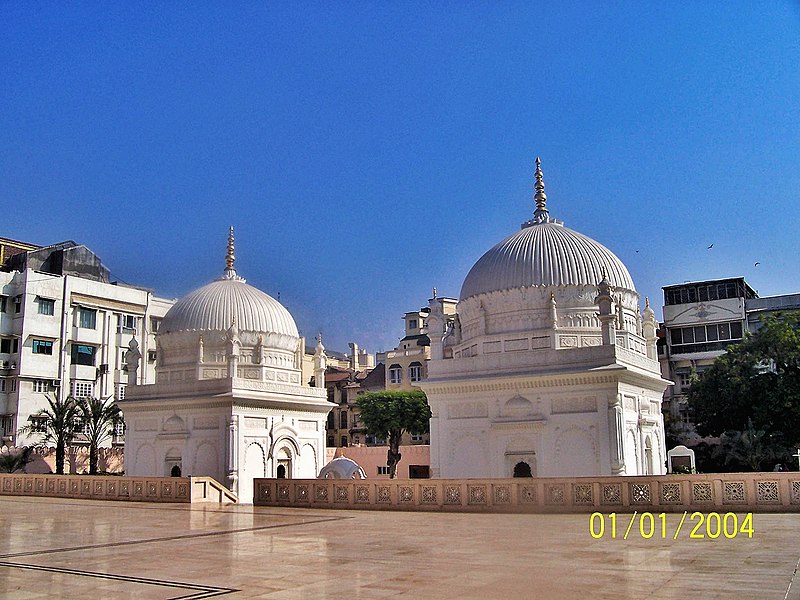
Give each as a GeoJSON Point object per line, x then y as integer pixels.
{"type": "Point", "coordinates": [65, 329]}
{"type": "Point", "coordinates": [701, 320]}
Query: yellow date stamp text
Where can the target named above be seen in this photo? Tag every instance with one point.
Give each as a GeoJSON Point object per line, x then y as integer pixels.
{"type": "Point", "coordinates": [663, 526]}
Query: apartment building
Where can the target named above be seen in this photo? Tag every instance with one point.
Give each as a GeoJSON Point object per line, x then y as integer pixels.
{"type": "Point", "coordinates": [65, 327]}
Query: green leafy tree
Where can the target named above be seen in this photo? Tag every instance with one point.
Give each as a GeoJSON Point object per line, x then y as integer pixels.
{"type": "Point", "coordinates": [752, 449]}
{"type": "Point", "coordinates": [56, 424]}
{"type": "Point", "coordinates": [12, 461]}
{"type": "Point", "coordinates": [98, 416]}
{"type": "Point", "coordinates": [388, 414]}
{"type": "Point", "coordinates": [754, 388]}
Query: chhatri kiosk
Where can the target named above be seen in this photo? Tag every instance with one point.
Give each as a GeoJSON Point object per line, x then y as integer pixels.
{"type": "Point", "coordinates": [548, 368]}
{"type": "Point", "coordinates": [229, 401]}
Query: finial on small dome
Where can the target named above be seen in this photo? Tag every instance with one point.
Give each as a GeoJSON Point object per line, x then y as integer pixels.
{"type": "Point", "coordinates": [230, 258]}
{"type": "Point", "coordinates": [434, 293]}
{"type": "Point", "coordinates": [541, 214]}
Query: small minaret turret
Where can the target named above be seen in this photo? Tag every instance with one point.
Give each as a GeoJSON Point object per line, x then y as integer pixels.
{"type": "Point", "coordinates": [649, 327]}
{"type": "Point", "coordinates": [605, 303]}
{"type": "Point", "coordinates": [132, 357]}
{"type": "Point", "coordinates": [234, 346]}
{"type": "Point", "coordinates": [320, 363]}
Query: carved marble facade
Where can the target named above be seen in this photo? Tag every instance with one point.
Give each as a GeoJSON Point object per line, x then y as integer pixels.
{"type": "Point", "coordinates": [548, 367]}
{"type": "Point", "coordinates": [228, 401]}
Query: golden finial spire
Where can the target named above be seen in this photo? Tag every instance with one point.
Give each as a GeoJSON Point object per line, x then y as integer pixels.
{"type": "Point", "coordinates": [540, 215]}
{"type": "Point", "coordinates": [230, 258]}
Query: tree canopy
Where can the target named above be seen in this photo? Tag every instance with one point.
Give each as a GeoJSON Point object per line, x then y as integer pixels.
{"type": "Point", "coordinates": [58, 427]}
{"type": "Point", "coordinates": [98, 418]}
{"type": "Point", "coordinates": [754, 387]}
{"type": "Point", "coordinates": [389, 413]}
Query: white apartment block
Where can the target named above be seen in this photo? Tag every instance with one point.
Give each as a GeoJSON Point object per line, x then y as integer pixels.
{"type": "Point", "coordinates": [64, 329]}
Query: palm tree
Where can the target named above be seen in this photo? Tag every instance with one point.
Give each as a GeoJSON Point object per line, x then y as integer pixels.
{"type": "Point", "coordinates": [56, 426]}
{"type": "Point", "coordinates": [98, 416]}
{"type": "Point", "coordinates": [11, 461]}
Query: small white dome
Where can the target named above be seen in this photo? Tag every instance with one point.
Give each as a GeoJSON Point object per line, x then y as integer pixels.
{"type": "Point", "coordinates": [545, 254]}
{"type": "Point", "coordinates": [229, 301]}
{"type": "Point", "coordinates": [214, 307]}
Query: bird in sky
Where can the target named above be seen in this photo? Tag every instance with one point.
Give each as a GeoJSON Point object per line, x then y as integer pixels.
{"type": "Point", "coordinates": [711, 246]}
{"type": "Point", "coordinates": [756, 264]}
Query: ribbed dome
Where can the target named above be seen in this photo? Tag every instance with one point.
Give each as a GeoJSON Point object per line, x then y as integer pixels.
{"type": "Point", "coordinates": [213, 307]}
{"type": "Point", "coordinates": [545, 254]}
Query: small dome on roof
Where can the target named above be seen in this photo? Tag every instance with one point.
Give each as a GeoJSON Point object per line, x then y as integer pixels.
{"type": "Point", "coordinates": [229, 301]}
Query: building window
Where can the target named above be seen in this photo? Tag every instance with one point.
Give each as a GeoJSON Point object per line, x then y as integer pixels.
{"type": "Point", "coordinates": [17, 304]}
{"type": "Point", "coordinates": [330, 441]}
{"type": "Point", "coordinates": [384, 470]}
{"type": "Point", "coordinates": [704, 338]}
{"type": "Point", "coordinates": [87, 318]}
{"type": "Point", "coordinates": [119, 427]}
{"type": "Point", "coordinates": [415, 371]}
{"type": "Point", "coordinates": [3, 303]}
{"type": "Point", "coordinates": [40, 385]}
{"type": "Point", "coordinates": [5, 346]}
{"type": "Point", "coordinates": [12, 385]}
{"type": "Point", "coordinates": [154, 324]}
{"type": "Point", "coordinates": [3, 384]}
{"type": "Point", "coordinates": [120, 395]}
{"type": "Point", "coordinates": [126, 324]}
{"type": "Point", "coordinates": [38, 423]}
{"type": "Point", "coordinates": [83, 354]}
{"type": "Point", "coordinates": [42, 347]}
{"type": "Point", "coordinates": [343, 420]}
{"type": "Point", "coordinates": [417, 439]}
{"type": "Point", "coordinates": [7, 424]}
{"type": "Point", "coordinates": [395, 374]}
{"type": "Point", "coordinates": [82, 389]}
{"type": "Point", "coordinates": [684, 379]}
{"type": "Point", "coordinates": [412, 323]}
{"type": "Point", "coordinates": [47, 306]}
{"type": "Point", "coordinates": [344, 441]}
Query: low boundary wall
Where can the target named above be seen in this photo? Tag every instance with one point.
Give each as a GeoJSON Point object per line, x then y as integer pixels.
{"type": "Point", "coordinates": [721, 492]}
{"type": "Point", "coordinates": [128, 489]}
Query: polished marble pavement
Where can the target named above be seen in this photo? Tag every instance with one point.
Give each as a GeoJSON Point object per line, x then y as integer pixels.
{"type": "Point", "coordinates": [61, 548]}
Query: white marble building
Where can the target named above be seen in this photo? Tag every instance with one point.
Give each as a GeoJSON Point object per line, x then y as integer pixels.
{"type": "Point", "coordinates": [229, 401]}
{"type": "Point", "coordinates": [548, 368]}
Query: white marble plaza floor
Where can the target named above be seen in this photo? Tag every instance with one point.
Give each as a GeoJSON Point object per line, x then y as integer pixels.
{"type": "Point", "coordinates": [56, 548]}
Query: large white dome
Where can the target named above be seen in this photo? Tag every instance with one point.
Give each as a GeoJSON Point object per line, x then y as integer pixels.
{"type": "Point", "coordinates": [544, 253]}
{"type": "Point", "coordinates": [216, 306]}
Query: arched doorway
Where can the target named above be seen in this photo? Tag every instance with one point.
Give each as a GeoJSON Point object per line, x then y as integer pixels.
{"type": "Point", "coordinates": [284, 463]}
{"type": "Point", "coordinates": [522, 469]}
{"type": "Point", "coordinates": [648, 456]}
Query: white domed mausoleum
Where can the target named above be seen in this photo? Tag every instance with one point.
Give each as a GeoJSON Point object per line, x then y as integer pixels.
{"type": "Point", "coordinates": [548, 368]}
{"type": "Point", "coordinates": [228, 401]}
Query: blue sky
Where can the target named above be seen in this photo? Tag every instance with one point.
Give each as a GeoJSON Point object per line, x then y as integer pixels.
{"type": "Point", "coordinates": [366, 152]}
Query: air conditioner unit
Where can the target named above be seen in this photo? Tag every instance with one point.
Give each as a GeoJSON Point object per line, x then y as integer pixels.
{"type": "Point", "coordinates": [56, 383]}
{"type": "Point", "coordinates": [4, 364]}
{"type": "Point", "coordinates": [102, 369]}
